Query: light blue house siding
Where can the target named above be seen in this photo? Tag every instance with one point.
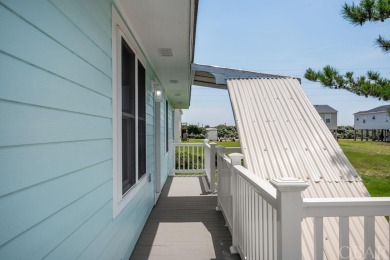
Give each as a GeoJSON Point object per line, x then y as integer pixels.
{"type": "Point", "coordinates": [56, 150]}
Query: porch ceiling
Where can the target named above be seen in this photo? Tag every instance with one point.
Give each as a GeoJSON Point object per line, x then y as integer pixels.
{"type": "Point", "coordinates": [168, 24]}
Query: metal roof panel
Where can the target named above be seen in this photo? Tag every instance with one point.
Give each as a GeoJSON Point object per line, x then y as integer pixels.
{"type": "Point", "coordinates": [282, 135]}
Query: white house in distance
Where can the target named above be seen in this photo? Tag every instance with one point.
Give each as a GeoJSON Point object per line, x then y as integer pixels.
{"type": "Point", "coordinates": [376, 119]}
{"type": "Point", "coordinates": [328, 114]}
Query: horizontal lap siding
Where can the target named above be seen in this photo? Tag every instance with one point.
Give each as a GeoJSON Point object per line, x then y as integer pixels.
{"type": "Point", "coordinates": [56, 134]}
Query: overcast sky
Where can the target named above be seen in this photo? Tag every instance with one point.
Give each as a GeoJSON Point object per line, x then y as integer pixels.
{"type": "Point", "coordinates": [286, 38]}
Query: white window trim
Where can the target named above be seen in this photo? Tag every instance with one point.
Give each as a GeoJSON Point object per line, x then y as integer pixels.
{"type": "Point", "coordinates": [120, 201]}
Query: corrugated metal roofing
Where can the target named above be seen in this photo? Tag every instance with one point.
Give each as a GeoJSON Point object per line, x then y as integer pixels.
{"type": "Point", "coordinates": [377, 109]}
{"type": "Point", "coordinates": [282, 135]}
{"type": "Point", "coordinates": [325, 109]}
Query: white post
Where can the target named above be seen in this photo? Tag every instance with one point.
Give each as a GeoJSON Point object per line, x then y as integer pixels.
{"type": "Point", "coordinates": [220, 153]}
{"type": "Point", "coordinates": [172, 149]}
{"type": "Point", "coordinates": [235, 160]}
{"type": "Point", "coordinates": [289, 217]}
{"type": "Point", "coordinates": [213, 151]}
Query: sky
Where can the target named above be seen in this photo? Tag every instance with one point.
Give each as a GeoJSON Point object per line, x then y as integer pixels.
{"type": "Point", "coordinates": [284, 37]}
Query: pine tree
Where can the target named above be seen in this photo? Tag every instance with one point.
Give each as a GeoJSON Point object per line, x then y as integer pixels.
{"type": "Point", "coordinates": [369, 11]}
{"type": "Point", "coordinates": [372, 84]}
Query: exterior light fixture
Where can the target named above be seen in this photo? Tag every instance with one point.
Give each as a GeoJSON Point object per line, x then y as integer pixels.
{"type": "Point", "coordinates": [158, 96]}
{"type": "Point", "coordinates": [157, 91]}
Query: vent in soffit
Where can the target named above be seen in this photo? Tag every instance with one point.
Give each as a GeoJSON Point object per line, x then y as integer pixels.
{"type": "Point", "coordinates": [173, 81]}
{"type": "Point", "coordinates": [166, 52]}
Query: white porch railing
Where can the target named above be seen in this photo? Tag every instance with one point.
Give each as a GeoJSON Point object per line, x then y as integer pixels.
{"type": "Point", "coordinates": [265, 217]}
{"type": "Point", "coordinates": [344, 208]}
{"type": "Point", "coordinates": [189, 158]}
{"type": "Point", "coordinates": [196, 158]}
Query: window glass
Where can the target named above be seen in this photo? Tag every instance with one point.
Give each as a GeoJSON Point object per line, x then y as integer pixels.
{"type": "Point", "coordinates": [128, 117]}
{"type": "Point", "coordinates": [141, 121]}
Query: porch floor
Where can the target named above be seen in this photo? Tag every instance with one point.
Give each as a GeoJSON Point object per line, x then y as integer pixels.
{"type": "Point", "coordinates": [185, 225]}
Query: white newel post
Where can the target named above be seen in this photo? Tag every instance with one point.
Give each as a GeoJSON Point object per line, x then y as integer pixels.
{"type": "Point", "coordinates": [235, 160]}
{"type": "Point", "coordinates": [220, 153]}
{"type": "Point", "coordinates": [213, 151]}
{"type": "Point", "coordinates": [205, 158]}
{"type": "Point", "coordinates": [289, 217]}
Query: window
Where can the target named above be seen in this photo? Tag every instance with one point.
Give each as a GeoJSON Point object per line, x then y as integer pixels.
{"type": "Point", "coordinates": [133, 118]}
{"type": "Point", "coordinates": [166, 126]}
{"type": "Point", "coordinates": [364, 119]}
{"type": "Point", "coordinates": [129, 122]}
{"type": "Point", "coordinates": [328, 118]}
{"type": "Point", "coordinates": [128, 118]}
{"type": "Point", "coordinates": [373, 117]}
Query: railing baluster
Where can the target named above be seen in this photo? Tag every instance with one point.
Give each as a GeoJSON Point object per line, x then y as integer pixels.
{"type": "Point", "coordinates": [275, 219]}
{"type": "Point", "coordinates": [265, 229]}
{"type": "Point", "coordinates": [369, 237]}
{"type": "Point", "coordinates": [241, 218]}
{"type": "Point", "coordinates": [179, 156]}
{"type": "Point", "coordinates": [344, 237]}
{"type": "Point", "coordinates": [318, 238]}
{"type": "Point", "coordinates": [197, 157]}
{"type": "Point", "coordinates": [256, 226]}
{"type": "Point", "coordinates": [253, 225]}
{"type": "Point", "coordinates": [246, 219]}
{"type": "Point", "coordinates": [270, 232]}
{"type": "Point", "coordinates": [188, 157]}
{"type": "Point", "coordinates": [250, 231]}
{"type": "Point", "coordinates": [261, 233]}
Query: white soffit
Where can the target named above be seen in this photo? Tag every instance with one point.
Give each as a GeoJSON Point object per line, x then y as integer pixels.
{"type": "Point", "coordinates": [282, 135]}
{"type": "Point", "coordinates": [165, 31]}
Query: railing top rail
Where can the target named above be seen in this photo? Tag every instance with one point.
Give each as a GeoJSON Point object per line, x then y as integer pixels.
{"type": "Point", "coordinates": [226, 158]}
{"type": "Point", "coordinates": [189, 144]}
{"type": "Point", "coordinates": [232, 149]}
{"type": "Point", "coordinates": [344, 207]}
{"type": "Point", "coordinates": [264, 188]}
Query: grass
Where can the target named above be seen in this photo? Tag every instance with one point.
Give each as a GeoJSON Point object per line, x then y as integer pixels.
{"type": "Point", "coordinates": [372, 161]}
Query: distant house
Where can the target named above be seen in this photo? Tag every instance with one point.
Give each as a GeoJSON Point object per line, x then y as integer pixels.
{"type": "Point", "coordinates": [328, 114]}
{"type": "Point", "coordinates": [376, 118]}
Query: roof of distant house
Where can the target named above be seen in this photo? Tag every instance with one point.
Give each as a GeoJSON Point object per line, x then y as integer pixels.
{"type": "Point", "coordinates": [325, 109]}
{"type": "Point", "coordinates": [374, 110]}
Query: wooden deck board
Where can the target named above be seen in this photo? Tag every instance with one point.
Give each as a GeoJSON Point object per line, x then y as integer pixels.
{"type": "Point", "coordinates": [184, 225]}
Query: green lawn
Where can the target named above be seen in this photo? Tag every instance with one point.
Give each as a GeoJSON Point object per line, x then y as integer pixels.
{"type": "Point", "coordinates": [372, 161]}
